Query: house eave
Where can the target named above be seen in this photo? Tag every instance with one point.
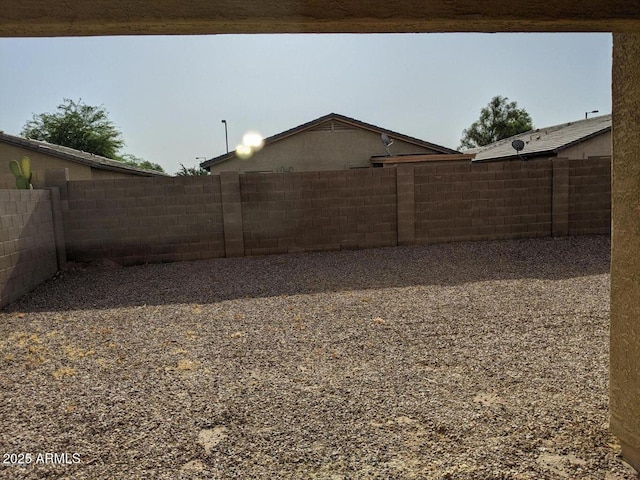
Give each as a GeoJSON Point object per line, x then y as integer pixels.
{"type": "Point", "coordinates": [44, 149]}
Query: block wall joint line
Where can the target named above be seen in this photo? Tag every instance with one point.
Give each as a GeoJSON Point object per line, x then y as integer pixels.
{"type": "Point", "coordinates": [232, 214]}
{"type": "Point", "coordinates": [560, 197]}
{"type": "Point", "coordinates": [405, 191]}
{"type": "Point", "coordinates": [58, 227]}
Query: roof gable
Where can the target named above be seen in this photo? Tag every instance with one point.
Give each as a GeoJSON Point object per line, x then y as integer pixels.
{"type": "Point", "coordinates": [328, 122]}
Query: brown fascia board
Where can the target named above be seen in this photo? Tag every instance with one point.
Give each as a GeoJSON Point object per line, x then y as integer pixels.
{"type": "Point", "coordinates": [509, 158]}
{"type": "Point", "coordinates": [334, 116]}
{"type": "Point", "coordinates": [420, 158]}
{"type": "Point", "coordinates": [220, 159]}
{"type": "Point", "coordinates": [36, 147]}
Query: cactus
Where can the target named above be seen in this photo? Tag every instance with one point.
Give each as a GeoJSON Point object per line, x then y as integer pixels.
{"type": "Point", "coordinates": [22, 172]}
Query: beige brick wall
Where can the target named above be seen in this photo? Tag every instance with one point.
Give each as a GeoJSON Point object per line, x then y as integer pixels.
{"type": "Point", "coordinates": [188, 218]}
{"type": "Point", "coordinates": [484, 201]}
{"type": "Point", "coordinates": [27, 243]}
{"type": "Point", "coordinates": [307, 211]}
{"type": "Point", "coordinates": [590, 196]}
{"type": "Point", "coordinates": [142, 220]}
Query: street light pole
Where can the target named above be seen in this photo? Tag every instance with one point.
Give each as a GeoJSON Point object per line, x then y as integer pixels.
{"type": "Point", "coordinates": [226, 135]}
{"type": "Point", "coordinates": [586, 114]}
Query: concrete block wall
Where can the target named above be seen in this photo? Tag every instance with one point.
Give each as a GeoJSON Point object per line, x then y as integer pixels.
{"type": "Point", "coordinates": [162, 219]}
{"type": "Point", "coordinates": [27, 242]}
{"type": "Point", "coordinates": [405, 185]}
{"type": "Point", "coordinates": [144, 220]}
{"type": "Point", "coordinates": [590, 196]}
{"type": "Point", "coordinates": [484, 201]}
{"type": "Point", "coordinates": [309, 211]}
{"type": "Point", "coordinates": [232, 214]}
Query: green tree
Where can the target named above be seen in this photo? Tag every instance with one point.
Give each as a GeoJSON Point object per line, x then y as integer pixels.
{"type": "Point", "coordinates": [499, 119]}
{"type": "Point", "coordinates": [187, 172]}
{"type": "Point", "coordinates": [83, 127]}
{"type": "Point", "coordinates": [77, 125]}
{"type": "Point", "coordinates": [134, 161]}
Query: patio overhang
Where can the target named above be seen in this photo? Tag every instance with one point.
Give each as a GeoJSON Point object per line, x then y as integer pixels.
{"type": "Point", "coordinates": [41, 18]}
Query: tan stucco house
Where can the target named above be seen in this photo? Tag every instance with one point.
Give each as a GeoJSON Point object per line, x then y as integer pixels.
{"type": "Point", "coordinates": [45, 156]}
{"type": "Point", "coordinates": [576, 140]}
{"type": "Point", "coordinates": [331, 142]}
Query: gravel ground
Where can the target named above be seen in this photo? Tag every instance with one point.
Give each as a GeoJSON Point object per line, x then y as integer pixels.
{"type": "Point", "coordinates": [483, 361]}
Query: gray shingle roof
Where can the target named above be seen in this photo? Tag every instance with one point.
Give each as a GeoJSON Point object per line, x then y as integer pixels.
{"type": "Point", "coordinates": [342, 118]}
{"type": "Point", "coordinates": [78, 156]}
{"type": "Point", "coordinates": [543, 141]}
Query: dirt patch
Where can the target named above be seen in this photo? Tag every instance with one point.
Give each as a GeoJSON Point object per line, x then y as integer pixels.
{"type": "Point", "coordinates": [211, 437]}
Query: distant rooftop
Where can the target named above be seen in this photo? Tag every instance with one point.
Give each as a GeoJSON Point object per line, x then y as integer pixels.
{"type": "Point", "coordinates": [340, 118]}
{"type": "Point", "coordinates": [548, 140]}
{"type": "Point", "coordinates": [78, 156]}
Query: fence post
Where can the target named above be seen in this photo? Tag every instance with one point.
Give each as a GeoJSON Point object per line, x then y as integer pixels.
{"type": "Point", "coordinates": [58, 227]}
{"type": "Point", "coordinates": [560, 197]}
{"type": "Point", "coordinates": [58, 177]}
{"type": "Point", "coordinates": [232, 214]}
{"type": "Point", "coordinates": [405, 187]}
{"type": "Point", "coordinates": [56, 180]}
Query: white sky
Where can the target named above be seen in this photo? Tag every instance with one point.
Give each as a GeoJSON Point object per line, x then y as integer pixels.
{"type": "Point", "coordinates": [168, 95]}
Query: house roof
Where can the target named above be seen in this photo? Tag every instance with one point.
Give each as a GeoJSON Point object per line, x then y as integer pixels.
{"type": "Point", "coordinates": [343, 119]}
{"type": "Point", "coordinates": [78, 156]}
{"type": "Point", "coordinates": [545, 141]}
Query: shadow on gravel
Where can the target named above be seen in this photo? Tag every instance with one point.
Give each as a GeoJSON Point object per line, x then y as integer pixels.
{"type": "Point", "coordinates": [210, 281]}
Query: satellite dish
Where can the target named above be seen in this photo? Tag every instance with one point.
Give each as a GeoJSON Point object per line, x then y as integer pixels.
{"type": "Point", "coordinates": [386, 141]}
{"type": "Point", "coordinates": [518, 146]}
